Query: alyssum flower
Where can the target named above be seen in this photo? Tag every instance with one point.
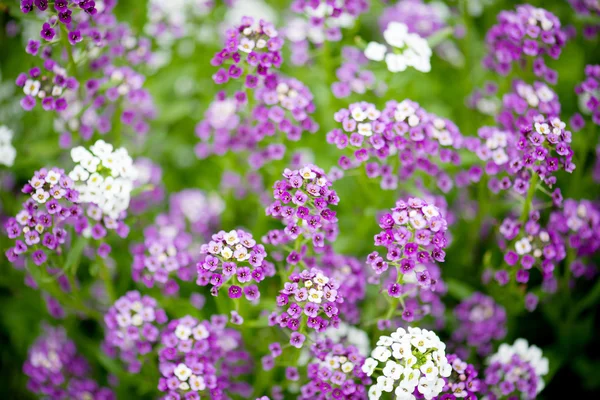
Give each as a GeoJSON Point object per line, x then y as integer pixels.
{"type": "Point", "coordinates": [408, 363]}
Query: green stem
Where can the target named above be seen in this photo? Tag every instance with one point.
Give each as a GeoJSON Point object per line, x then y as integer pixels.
{"type": "Point", "coordinates": [533, 182]}
{"type": "Point", "coordinates": [108, 283]}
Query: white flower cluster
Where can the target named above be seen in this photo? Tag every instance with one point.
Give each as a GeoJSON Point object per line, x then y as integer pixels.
{"type": "Point", "coordinates": [7, 151]}
{"type": "Point", "coordinates": [410, 360]}
{"type": "Point", "coordinates": [408, 49]}
{"type": "Point", "coordinates": [104, 177]}
{"type": "Point", "coordinates": [531, 354]}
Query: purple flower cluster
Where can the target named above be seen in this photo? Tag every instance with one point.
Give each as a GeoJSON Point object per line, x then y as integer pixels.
{"type": "Point", "coordinates": [579, 223]}
{"type": "Point", "coordinates": [308, 300]}
{"type": "Point", "coordinates": [50, 85]}
{"type": "Point", "coordinates": [404, 137]}
{"type": "Point", "coordinates": [336, 373]}
{"type": "Point", "coordinates": [252, 49]}
{"type": "Point", "coordinates": [303, 203]}
{"type": "Point", "coordinates": [56, 371]}
{"type": "Point", "coordinates": [352, 76]}
{"type": "Point", "coordinates": [462, 383]}
{"type": "Point", "coordinates": [281, 106]}
{"type": "Point", "coordinates": [166, 251]}
{"type": "Point", "coordinates": [541, 148]}
{"type": "Point", "coordinates": [413, 233]}
{"type": "Point", "coordinates": [528, 32]}
{"type": "Point", "coordinates": [233, 261]}
{"type": "Point", "coordinates": [524, 103]}
{"type": "Point", "coordinates": [40, 226]}
{"type": "Point", "coordinates": [421, 18]}
{"type": "Point", "coordinates": [527, 245]}
{"type": "Point", "coordinates": [202, 358]}
{"type": "Point", "coordinates": [480, 321]}
{"type": "Point", "coordinates": [132, 328]}
{"type": "Point", "coordinates": [589, 92]}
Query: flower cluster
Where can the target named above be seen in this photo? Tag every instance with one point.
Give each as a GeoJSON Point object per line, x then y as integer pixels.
{"type": "Point", "coordinates": [579, 223]}
{"type": "Point", "coordinates": [421, 18]}
{"type": "Point", "coordinates": [352, 76]}
{"type": "Point", "coordinates": [528, 32]}
{"type": "Point", "coordinates": [413, 233]}
{"type": "Point", "coordinates": [335, 373]}
{"type": "Point", "coordinates": [201, 358]}
{"type": "Point", "coordinates": [323, 20]}
{"type": "Point", "coordinates": [521, 106]}
{"type": "Point", "coordinates": [303, 203]}
{"type": "Point", "coordinates": [7, 151]}
{"type": "Point", "coordinates": [56, 371]}
{"type": "Point", "coordinates": [541, 148]}
{"type": "Point", "coordinates": [480, 321]}
{"type": "Point", "coordinates": [516, 371]}
{"type": "Point", "coordinates": [53, 201]}
{"type": "Point", "coordinates": [462, 382]}
{"type": "Point", "coordinates": [256, 44]}
{"type": "Point", "coordinates": [50, 85]}
{"type": "Point", "coordinates": [132, 327]}
{"type": "Point", "coordinates": [309, 300]}
{"type": "Point", "coordinates": [234, 261]}
{"type": "Point", "coordinates": [283, 106]}
{"type": "Point", "coordinates": [104, 177]}
{"type": "Point", "coordinates": [167, 250]}
{"type": "Point", "coordinates": [403, 133]}
{"type": "Point", "coordinates": [412, 362]}
{"type": "Point", "coordinates": [528, 244]}
{"type": "Point", "coordinates": [589, 92]}
{"type": "Point", "coordinates": [407, 49]}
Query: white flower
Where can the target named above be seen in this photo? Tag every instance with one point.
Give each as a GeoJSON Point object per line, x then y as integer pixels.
{"type": "Point", "coordinates": [232, 238]}
{"type": "Point", "coordinates": [31, 87]}
{"type": "Point", "coordinates": [543, 129]}
{"type": "Point", "coordinates": [395, 62]}
{"type": "Point", "coordinates": [197, 383]}
{"type": "Point", "coordinates": [374, 392]}
{"type": "Point", "coordinates": [101, 149]}
{"type": "Point", "coordinates": [365, 129]}
{"type": "Point", "coordinates": [393, 370]}
{"type": "Point", "coordinates": [182, 372]}
{"type": "Point", "coordinates": [430, 370]}
{"type": "Point", "coordinates": [183, 332]}
{"type": "Point", "coordinates": [41, 196]}
{"type": "Point", "coordinates": [347, 367]}
{"type": "Point", "coordinates": [381, 353]}
{"type": "Point", "coordinates": [226, 253]}
{"type": "Point", "coordinates": [385, 384]}
{"type": "Point", "coordinates": [395, 34]}
{"type": "Point", "coordinates": [358, 114]}
{"type": "Point", "coordinates": [523, 246]}
{"type": "Point", "coordinates": [307, 173]}
{"type": "Point", "coordinates": [369, 366]}
{"type": "Point", "coordinates": [315, 295]}
{"type": "Point", "coordinates": [246, 45]}
{"type": "Point", "coordinates": [375, 51]}
{"type": "Point", "coordinates": [200, 332]}
{"type": "Point", "coordinates": [404, 393]}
